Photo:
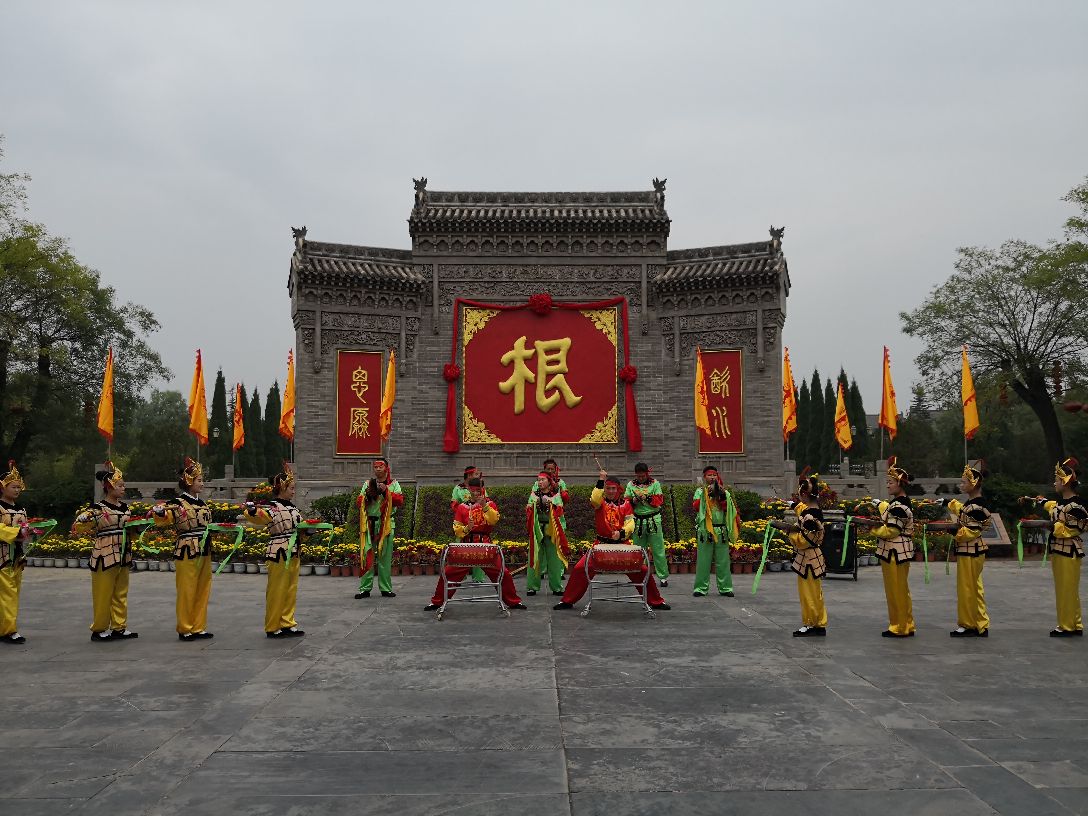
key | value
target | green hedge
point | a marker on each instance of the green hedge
(404, 519)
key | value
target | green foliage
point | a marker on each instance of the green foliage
(682, 497)
(219, 447)
(404, 520)
(159, 439)
(750, 505)
(333, 508)
(813, 452)
(276, 448)
(255, 438)
(1004, 493)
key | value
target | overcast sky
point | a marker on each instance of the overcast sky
(175, 144)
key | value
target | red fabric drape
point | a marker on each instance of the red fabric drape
(452, 373)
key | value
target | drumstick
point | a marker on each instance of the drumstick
(598, 461)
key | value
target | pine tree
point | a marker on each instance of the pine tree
(219, 429)
(799, 440)
(276, 449)
(247, 464)
(856, 408)
(813, 442)
(829, 448)
(255, 435)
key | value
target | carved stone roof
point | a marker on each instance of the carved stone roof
(756, 264)
(520, 213)
(349, 265)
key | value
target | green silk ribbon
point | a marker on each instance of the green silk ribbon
(238, 530)
(42, 529)
(768, 532)
(845, 540)
(303, 526)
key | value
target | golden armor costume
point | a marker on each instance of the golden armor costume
(13, 535)
(1069, 517)
(895, 551)
(110, 559)
(280, 518)
(189, 517)
(973, 518)
(808, 560)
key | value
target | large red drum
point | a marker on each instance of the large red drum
(616, 558)
(473, 555)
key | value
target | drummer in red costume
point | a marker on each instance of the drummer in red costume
(473, 521)
(614, 520)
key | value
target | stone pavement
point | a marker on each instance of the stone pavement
(711, 709)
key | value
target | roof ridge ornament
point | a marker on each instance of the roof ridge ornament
(659, 192)
(299, 234)
(421, 192)
(776, 235)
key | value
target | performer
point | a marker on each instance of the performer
(716, 527)
(190, 516)
(110, 558)
(614, 521)
(551, 467)
(972, 518)
(459, 496)
(547, 534)
(644, 493)
(379, 502)
(14, 535)
(1068, 521)
(807, 538)
(472, 523)
(281, 555)
(896, 549)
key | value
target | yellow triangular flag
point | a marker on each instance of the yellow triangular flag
(198, 404)
(389, 394)
(702, 417)
(970, 403)
(287, 415)
(842, 422)
(888, 411)
(105, 401)
(789, 399)
(239, 421)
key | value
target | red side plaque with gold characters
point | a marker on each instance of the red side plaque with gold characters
(358, 402)
(724, 374)
(539, 378)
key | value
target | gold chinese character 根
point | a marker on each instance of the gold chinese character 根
(360, 424)
(720, 426)
(719, 382)
(551, 360)
(359, 382)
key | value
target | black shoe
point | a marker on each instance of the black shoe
(660, 606)
(698, 594)
(663, 582)
(360, 595)
(125, 634)
(530, 592)
(1064, 633)
(889, 633)
(432, 607)
(727, 594)
(101, 637)
(563, 605)
(186, 636)
(983, 633)
(203, 635)
(279, 633)
(14, 639)
(962, 632)
(389, 594)
(294, 631)
(811, 631)
(558, 592)
(516, 606)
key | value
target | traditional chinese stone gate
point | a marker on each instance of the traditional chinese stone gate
(499, 249)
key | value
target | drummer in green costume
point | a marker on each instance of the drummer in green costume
(715, 534)
(644, 493)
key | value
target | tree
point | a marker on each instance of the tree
(1020, 309)
(12, 196)
(799, 441)
(855, 407)
(255, 436)
(276, 448)
(55, 326)
(247, 462)
(829, 449)
(814, 440)
(219, 446)
(161, 438)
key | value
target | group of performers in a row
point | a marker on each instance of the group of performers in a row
(628, 514)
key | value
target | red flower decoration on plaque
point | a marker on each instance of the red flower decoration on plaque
(541, 303)
(628, 374)
(451, 372)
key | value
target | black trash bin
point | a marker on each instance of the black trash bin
(833, 546)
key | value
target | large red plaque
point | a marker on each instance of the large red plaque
(531, 378)
(724, 374)
(358, 402)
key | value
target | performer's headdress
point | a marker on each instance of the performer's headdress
(109, 473)
(973, 474)
(1066, 471)
(190, 472)
(898, 473)
(810, 482)
(12, 476)
(282, 479)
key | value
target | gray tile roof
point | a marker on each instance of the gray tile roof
(347, 264)
(759, 263)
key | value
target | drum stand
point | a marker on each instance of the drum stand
(477, 591)
(617, 585)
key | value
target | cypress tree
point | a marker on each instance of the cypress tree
(218, 446)
(246, 464)
(829, 448)
(799, 441)
(255, 435)
(856, 409)
(813, 444)
(276, 448)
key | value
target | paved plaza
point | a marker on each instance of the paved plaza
(711, 709)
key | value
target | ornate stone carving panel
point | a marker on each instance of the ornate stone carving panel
(539, 244)
(349, 320)
(334, 338)
(517, 281)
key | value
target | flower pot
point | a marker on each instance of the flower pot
(84, 563)
(239, 567)
(748, 568)
(334, 570)
(215, 566)
(264, 568)
(60, 562)
(253, 569)
(152, 566)
(357, 570)
(321, 569)
(874, 561)
(45, 562)
(917, 555)
(306, 569)
(417, 569)
(172, 566)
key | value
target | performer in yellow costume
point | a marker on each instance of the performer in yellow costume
(190, 516)
(14, 534)
(894, 528)
(1069, 519)
(110, 558)
(281, 518)
(973, 518)
(807, 538)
